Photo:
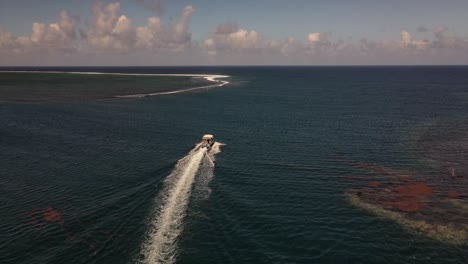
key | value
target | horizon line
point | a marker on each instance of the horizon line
(259, 65)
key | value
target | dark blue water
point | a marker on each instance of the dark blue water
(80, 181)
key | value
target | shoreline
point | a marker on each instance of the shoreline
(209, 77)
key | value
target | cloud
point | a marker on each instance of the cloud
(8, 42)
(55, 37)
(291, 46)
(110, 32)
(114, 32)
(409, 45)
(406, 37)
(61, 36)
(38, 31)
(157, 37)
(407, 42)
(228, 38)
(444, 41)
(319, 42)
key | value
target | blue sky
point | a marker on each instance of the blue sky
(259, 28)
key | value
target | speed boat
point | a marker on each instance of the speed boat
(207, 141)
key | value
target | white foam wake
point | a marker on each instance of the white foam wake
(202, 188)
(161, 242)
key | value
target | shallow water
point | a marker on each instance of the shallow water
(80, 181)
(50, 86)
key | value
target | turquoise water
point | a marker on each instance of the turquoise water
(84, 182)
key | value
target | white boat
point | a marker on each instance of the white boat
(207, 141)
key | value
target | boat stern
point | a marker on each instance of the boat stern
(207, 141)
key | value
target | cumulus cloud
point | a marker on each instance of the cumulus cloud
(291, 46)
(408, 42)
(409, 45)
(319, 42)
(155, 36)
(8, 42)
(228, 38)
(406, 37)
(38, 31)
(114, 32)
(444, 40)
(109, 32)
(55, 37)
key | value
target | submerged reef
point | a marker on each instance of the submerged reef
(435, 209)
(50, 86)
(447, 231)
(433, 202)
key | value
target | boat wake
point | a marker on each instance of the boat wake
(167, 223)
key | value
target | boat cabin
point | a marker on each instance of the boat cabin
(207, 140)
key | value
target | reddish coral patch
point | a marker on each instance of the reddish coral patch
(52, 216)
(453, 195)
(416, 189)
(375, 184)
(406, 204)
(409, 205)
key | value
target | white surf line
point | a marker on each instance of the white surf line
(160, 246)
(209, 77)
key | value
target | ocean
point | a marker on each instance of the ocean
(311, 165)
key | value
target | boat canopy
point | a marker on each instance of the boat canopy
(208, 137)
